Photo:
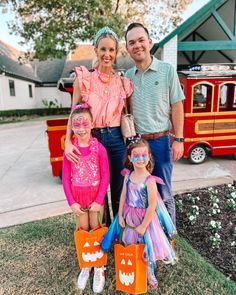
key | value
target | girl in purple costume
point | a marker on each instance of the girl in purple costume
(142, 212)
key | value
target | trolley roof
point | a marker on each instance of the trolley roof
(209, 71)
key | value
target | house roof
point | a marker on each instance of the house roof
(9, 64)
(50, 70)
(191, 23)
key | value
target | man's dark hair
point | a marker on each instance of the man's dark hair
(135, 25)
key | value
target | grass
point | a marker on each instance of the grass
(39, 258)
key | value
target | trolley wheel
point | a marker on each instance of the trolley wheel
(198, 154)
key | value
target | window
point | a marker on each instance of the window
(227, 101)
(202, 97)
(30, 91)
(12, 88)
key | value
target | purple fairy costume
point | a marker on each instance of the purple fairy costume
(157, 245)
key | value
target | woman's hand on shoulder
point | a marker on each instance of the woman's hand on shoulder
(77, 209)
(71, 152)
(95, 207)
(140, 229)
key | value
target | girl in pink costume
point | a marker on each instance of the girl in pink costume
(142, 212)
(85, 183)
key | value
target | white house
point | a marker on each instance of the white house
(25, 86)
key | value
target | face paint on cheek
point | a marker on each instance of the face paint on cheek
(81, 122)
(139, 154)
(139, 158)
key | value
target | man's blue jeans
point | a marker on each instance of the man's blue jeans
(161, 152)
(113, 141)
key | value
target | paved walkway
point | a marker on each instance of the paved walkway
(28, 191)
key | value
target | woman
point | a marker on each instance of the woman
(105, 92)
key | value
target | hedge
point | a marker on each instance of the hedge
(39, 112)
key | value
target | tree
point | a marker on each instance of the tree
(165, 15)
(54, 27)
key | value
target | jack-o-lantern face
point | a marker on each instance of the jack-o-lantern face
(92, 251)
(126, 278)
(131, 269)
(88, 248)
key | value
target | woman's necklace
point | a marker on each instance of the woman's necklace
(105, 79)
(107, 86)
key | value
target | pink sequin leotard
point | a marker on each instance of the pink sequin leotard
(88, 180)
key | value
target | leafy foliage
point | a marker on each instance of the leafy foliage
(165, 15)
(51, 28)
(54, 27)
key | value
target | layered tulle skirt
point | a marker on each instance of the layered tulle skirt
(156, 237)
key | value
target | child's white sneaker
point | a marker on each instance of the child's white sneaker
(83, 278)
(98, 279)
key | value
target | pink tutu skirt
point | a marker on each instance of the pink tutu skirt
(85, 195)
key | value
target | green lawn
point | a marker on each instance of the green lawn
(39, 258)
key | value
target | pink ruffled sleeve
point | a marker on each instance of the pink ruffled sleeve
(66, 180)
(84, 76)
(105, 174)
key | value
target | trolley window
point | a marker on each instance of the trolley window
(227, 101)
(202, 98)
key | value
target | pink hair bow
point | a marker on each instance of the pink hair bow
(83, 105)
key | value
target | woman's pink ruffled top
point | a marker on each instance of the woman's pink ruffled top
(106, 99)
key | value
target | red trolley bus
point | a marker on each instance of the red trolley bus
(210, 111)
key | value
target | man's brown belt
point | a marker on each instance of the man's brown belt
(154, 135)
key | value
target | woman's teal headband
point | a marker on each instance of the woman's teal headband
(104, 32)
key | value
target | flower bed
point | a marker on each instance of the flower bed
(207, 219)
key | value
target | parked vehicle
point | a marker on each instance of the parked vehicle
(210, 111)
(56, 130)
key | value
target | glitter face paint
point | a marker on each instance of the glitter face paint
(139, 155)
(80, 122)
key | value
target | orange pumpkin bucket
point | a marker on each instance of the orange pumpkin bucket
(87, 243)
(88, 248)
(131, 269)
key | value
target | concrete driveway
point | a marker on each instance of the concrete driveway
(28, 191)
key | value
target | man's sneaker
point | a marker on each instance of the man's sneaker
(98, 279)
(83, 278)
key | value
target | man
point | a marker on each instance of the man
(157, 93)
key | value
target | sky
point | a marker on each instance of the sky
(14, 40)
(5, 36)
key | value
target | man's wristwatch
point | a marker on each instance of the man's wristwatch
(179, 139)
